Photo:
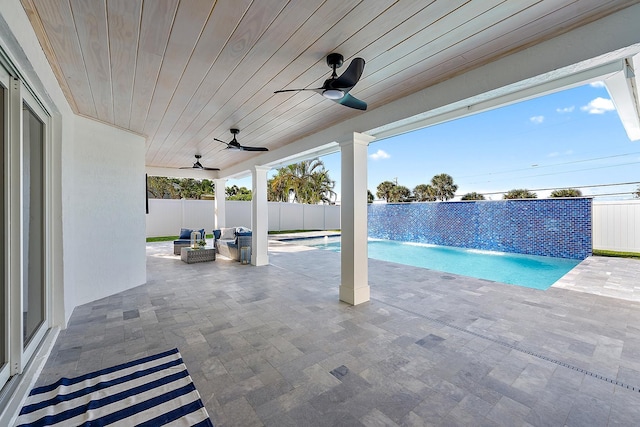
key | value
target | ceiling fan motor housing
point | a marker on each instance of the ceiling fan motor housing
(335, 60)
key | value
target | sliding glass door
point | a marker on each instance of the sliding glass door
(24, 292)
(33, 314)
(33, 283)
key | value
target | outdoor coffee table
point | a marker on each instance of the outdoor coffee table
(191, 256)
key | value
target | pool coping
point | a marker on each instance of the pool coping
(598, 275)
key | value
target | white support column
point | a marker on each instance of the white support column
(259, 216)
(354, 287)
(219, 204)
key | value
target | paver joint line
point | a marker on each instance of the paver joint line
(513, 347)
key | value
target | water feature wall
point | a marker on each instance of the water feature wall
(547, 227)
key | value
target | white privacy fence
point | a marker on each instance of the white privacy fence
(615, 225)
(167, 216)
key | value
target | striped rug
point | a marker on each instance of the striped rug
(152, 391)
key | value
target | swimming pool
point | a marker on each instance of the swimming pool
(532, 271)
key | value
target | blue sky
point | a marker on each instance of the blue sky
(567, 139)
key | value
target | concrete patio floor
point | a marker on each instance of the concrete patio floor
(273, 345)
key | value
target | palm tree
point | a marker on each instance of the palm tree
(520, 193)
(279, 186)
(424, 193)
(385, 190)
(566, 192)
(401, 194)
(444, 187)
(304, 182)
(473, 196)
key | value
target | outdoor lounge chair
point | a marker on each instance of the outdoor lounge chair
(230, 241)
(184, 240)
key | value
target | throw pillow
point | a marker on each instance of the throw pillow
(185, 233)
(227, 233)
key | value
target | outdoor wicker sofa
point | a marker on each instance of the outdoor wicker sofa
(230, 241)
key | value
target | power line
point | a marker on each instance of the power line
(572, 171)
(610, 194)
(552, 165)
(576, 186)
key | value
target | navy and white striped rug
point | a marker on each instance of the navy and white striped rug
(152, 391)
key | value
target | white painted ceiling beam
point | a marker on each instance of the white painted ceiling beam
(181, 173)
(622, 87)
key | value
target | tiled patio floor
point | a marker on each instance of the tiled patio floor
(273, 345)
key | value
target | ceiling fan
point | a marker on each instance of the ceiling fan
(235, 145)
(198, 165)
(337, 88)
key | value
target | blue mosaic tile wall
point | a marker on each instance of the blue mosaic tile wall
(548, 227)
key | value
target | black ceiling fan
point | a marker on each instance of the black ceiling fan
(198, 165)
(337, 88)
(235, 145)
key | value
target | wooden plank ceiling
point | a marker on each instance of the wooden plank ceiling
(182, 72)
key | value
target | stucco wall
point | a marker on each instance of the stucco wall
(104, 215)
(547, 227)
(95, 248)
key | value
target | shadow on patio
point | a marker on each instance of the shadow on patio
(273, 345)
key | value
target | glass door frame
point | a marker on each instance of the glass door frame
(35, 108)
(5, 370)
(18, 96)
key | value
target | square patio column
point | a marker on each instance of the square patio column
(354, 286)
(259, 216)
(219, 204)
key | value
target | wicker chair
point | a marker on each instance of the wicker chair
(229, 242)
(184, 240)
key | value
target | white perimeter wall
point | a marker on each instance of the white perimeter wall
(166, 217)
(616, 226)
(103, 212)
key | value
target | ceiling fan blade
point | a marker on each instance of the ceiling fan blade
(245, 148)
(297, 90)
(350, 77)
(353, 102)
(219, 140)
(198, 165)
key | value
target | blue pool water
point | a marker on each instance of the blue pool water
(532, 271)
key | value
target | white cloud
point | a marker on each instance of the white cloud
(565, 109)
(597, 84)
(599, 106)
(557, 153)
(380, 154)
(537, 119)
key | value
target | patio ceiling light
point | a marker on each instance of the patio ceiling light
(333, 93)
